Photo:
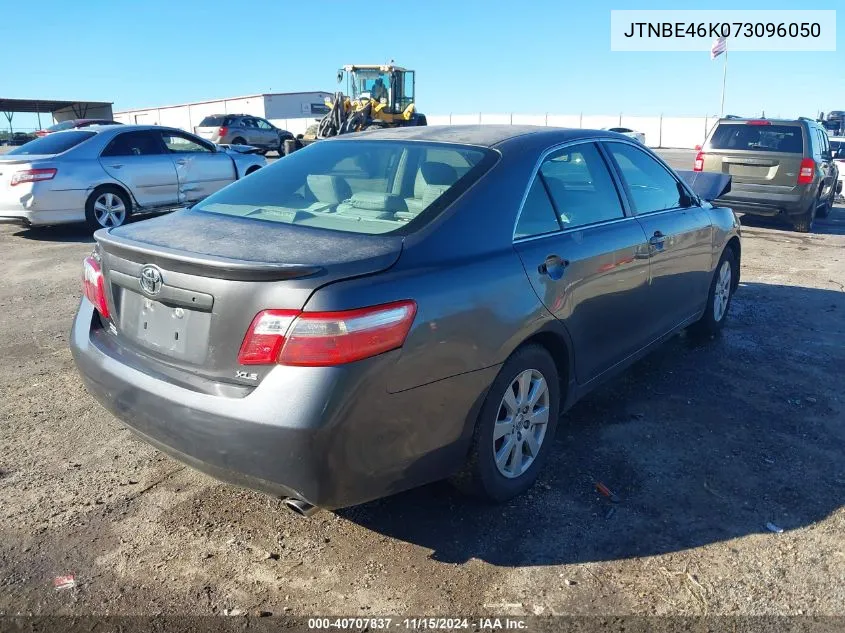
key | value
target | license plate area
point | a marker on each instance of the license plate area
(173, 331)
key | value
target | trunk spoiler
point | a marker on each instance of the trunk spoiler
(210, 265)
(706, 185)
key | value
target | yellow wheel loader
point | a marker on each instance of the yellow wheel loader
(377, 96)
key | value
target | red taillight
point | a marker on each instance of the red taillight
(758, 122)
(698, 165)
(32, 175)
(807, 171)
(94, 286)
(265, 337)
(223, 131)
(319, 339)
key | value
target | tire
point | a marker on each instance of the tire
(239, 141)
(804, 223)
(251, 170)
(481, 476)
(721, 290)
(107, 207)
(824, 210)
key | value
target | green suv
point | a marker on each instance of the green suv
(777, 167)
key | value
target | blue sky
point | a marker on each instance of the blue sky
(494, 56)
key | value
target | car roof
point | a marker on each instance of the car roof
(797, 121)
(99, 129)
(483, 135)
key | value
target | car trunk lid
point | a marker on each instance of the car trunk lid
(183, 289)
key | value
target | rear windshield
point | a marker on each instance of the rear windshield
(64, 125)
(371, 187)
(759, 138)
(53, 143)
(215, 120)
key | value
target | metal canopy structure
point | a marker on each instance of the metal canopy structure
(76, 109)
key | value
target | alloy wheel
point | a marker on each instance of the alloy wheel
(109, 210)
(521, 423)
(722, 292)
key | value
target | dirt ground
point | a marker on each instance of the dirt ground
(703, 445)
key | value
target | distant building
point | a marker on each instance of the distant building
(292, 111)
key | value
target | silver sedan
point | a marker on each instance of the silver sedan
(103, 174)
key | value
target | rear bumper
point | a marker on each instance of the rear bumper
(333, 436)
(36, 205)
(768, 201)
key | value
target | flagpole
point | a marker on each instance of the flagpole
(724, 80)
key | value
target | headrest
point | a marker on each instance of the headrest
(329, 189)
(438, 173)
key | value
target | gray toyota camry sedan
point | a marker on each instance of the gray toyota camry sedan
(386, 309)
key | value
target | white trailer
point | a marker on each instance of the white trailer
(292, 111)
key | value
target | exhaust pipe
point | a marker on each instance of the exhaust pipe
(300, 507)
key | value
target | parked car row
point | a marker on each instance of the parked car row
(17, 139)
(778, 168)
(385, 309)
(837, 147)
(103, 174)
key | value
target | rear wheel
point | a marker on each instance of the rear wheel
(107, 207)
(719, 298)
(515, 428)
(239, 141)
(824, 210)
(804, 223)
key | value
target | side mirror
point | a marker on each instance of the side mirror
(339, 76)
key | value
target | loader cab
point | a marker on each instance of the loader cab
(390, 85)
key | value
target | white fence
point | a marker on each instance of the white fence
(660, 131)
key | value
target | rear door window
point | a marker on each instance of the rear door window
(538, 216)
(580, 186)
(652, 187)
(758, 138)
(53, 143)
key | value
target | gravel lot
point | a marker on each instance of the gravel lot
(704, 445)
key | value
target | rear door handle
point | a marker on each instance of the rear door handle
(118, 166)
(657, 239)
(181, 161)
(554, 266)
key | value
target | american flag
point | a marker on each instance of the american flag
(720, 45)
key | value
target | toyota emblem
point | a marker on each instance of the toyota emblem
(150, 280)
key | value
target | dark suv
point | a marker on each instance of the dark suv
(242, 129)
(777, 167)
